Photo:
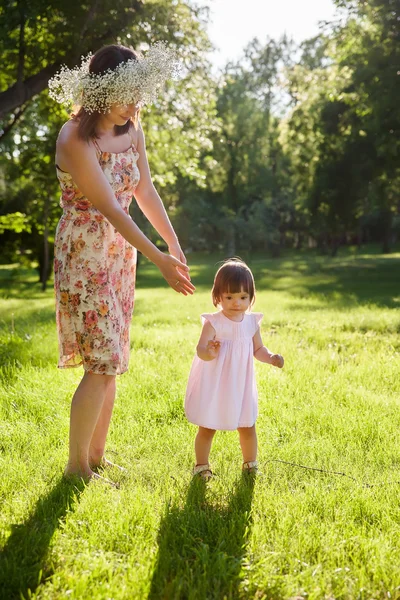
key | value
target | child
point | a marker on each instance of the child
(221, 391)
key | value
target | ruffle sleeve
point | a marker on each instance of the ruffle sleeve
(210, 317)
(257, 318)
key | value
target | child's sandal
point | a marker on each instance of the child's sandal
(203, 471)
(250, 467)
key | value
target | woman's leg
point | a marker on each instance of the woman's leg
(86, 408)
(248, 443)
(202, 445)
(98, 441)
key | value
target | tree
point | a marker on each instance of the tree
(174, 139)
(340, 133)
(36, 37)
(369, 45)
(249, 160)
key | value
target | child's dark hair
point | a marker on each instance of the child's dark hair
(232, 277)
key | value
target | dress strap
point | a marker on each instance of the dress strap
(96, 145)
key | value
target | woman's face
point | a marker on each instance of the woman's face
(121, 113)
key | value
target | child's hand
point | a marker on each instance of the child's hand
(213, 347)
(277, 361)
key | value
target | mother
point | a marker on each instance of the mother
(101, 162)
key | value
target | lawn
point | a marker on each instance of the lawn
(322, 521)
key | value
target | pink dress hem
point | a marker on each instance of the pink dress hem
(221, 394)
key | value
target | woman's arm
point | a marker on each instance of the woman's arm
(264, 355)
(151, 204)
(80, 160)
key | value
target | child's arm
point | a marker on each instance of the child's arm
(208, 347)
(262, 353)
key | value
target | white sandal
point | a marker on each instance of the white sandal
(203, 471)
(250, 467)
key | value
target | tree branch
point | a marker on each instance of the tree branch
(23, 90)
(90, 16)
(21, 50)
(17, 115)
(19, 93)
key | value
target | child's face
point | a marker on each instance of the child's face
(237, 302)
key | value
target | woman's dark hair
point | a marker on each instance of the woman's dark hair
(231, 278)
(108, 57)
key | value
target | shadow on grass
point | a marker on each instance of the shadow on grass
(20, 282)
(340, 281)
(23, 559)
(201, 546)
(347, 278)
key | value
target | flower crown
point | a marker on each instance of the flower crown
(135, 81)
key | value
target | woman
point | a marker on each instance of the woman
(101, 162)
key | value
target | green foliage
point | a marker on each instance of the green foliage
(177, 127)
(14, 222)
(290, 146)
(247, 169)
(340, 133)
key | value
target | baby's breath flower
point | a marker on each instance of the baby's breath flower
(135, 81)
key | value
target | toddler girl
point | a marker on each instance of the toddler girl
(221, 391)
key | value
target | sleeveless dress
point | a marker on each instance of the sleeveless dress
(94, 272)
(222, 393)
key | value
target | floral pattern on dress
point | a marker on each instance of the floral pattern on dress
(94, 273)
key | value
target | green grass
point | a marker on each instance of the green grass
(296, 532)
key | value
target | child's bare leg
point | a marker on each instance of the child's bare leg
(98, 441)
(248, 443)
(86, 407)
(202, 445)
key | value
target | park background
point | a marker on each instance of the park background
(293, 145)
(288, 156)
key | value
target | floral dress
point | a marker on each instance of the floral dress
(94, 272)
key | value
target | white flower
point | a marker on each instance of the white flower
(135, 81)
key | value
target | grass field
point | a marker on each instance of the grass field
(293, 533)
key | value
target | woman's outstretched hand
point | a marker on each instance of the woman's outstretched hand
(176, 274)
(175, 250)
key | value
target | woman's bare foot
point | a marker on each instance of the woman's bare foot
(106, 464)
(87, 477)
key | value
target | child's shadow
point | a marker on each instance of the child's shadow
(23, 559)
(202, 545)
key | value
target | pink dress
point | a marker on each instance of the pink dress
(222, 393)
(94, 273)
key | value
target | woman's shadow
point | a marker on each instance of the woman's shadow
(202, 545)
(23, 564)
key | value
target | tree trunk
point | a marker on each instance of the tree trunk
(275, 250)
(21, 92)
(387, 234)
(231, 245)
(335, 245)
(44, 275)
(386, 246)
(298, 240)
